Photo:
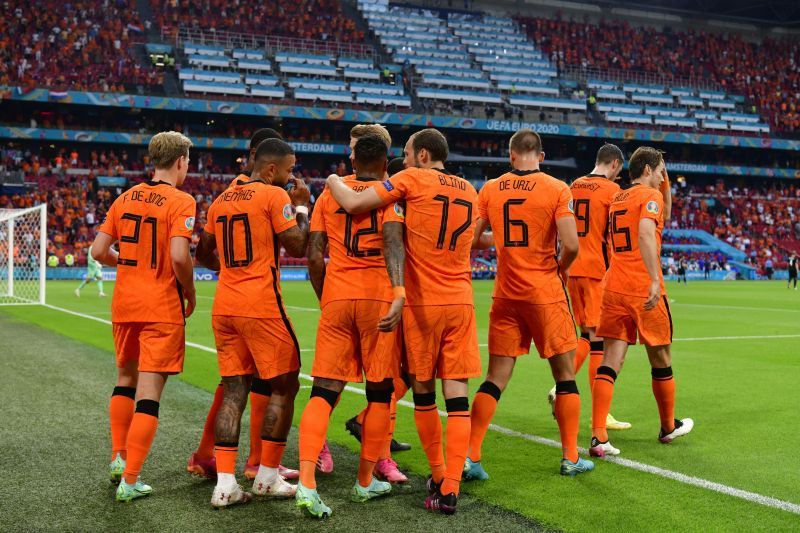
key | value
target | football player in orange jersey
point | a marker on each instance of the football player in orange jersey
(153, 295)
(529, 212)
(245, 225)
(439, 319)
(635, 299)
(202, 462)
(352, 338)
(592, 195)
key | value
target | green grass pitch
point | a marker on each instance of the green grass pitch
(736, 368)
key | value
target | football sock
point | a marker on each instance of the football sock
(602, 393)
(313, 428)
(568, 411)
(373, 433)
(360, 416)
(83, 284)
(206, 448)
(400, 389)
(272, 452)
(100, 285)
(664, 391)
(457, 433)
(483, 408)
(120, 414)
(225, 453)
(140, 438)
(595, 360)
(429, 428)
(582, 351)
(260, 392)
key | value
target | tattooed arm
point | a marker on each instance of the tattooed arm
(317, 242)
(395, 253)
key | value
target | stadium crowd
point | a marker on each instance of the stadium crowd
(761, 221)
(767, 73)
(303, 19)
(81, 45)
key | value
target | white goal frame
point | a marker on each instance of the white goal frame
(11, 274)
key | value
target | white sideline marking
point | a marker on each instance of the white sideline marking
(752, 497)
(737, 308)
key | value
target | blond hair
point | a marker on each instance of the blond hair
(166, 147)
(361, 130)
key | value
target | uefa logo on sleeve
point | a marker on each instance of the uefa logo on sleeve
(189, 222)
(288, 212)
(652, 207)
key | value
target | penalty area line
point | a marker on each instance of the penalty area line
(751, 497)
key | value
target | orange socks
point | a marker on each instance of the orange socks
(568, 412)
(483, 408)
(120, 414)
(373, 433)
(582, 351)
(595, 360)
(664, 391)
(225, 453)
(313, 428)
(458, 433)
(140, 438)
(429, 428)
(260, 392)
(272, 452)
(602, 393)
(206, 448)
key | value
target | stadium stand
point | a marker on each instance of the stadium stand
(65, 45)
(764, 74)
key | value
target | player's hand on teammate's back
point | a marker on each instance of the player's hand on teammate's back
(655, 293)
(392, 318)
(191, 302)
(333, 177)
(299, 194)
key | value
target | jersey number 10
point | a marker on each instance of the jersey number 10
(228, 252)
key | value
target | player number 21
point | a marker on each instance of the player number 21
(445, 215)
(134, 239)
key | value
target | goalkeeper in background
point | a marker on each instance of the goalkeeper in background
(94, 272)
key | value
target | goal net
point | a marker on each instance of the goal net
(23, 247)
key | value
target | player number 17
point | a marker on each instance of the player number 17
(445, 215)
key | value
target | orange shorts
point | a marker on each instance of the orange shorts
(158, 346)
(263, 346)
(586, 295)
(514, 323)
(441, 342)
(622, 316)
(349, 344)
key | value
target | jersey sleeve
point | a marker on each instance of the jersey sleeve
(181, 223)
(483, 202)
(564, 205)
(652, 207)
(397, 187)
(109, 225)
(393, 212)
(318, 215)
(280, 210)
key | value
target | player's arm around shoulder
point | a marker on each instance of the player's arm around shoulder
(292, 232)
(370, 198)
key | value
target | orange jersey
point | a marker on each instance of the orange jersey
(440, 222)
(143, 220)
(245, 221)
(592, 196)
(522, 208)
(627, 273)
(356, 270)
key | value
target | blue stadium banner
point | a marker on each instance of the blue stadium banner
(401, 119)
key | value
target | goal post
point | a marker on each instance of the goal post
(23, 255)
